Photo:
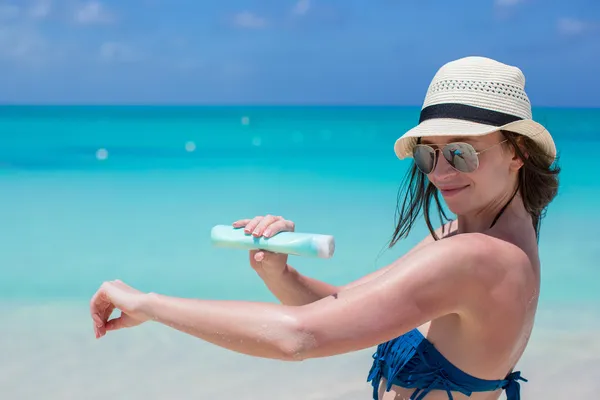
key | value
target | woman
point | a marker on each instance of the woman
(450, 318)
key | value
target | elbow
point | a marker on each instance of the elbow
(298, 344)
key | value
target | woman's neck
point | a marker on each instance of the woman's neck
(507, 208)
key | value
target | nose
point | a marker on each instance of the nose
(442, 170)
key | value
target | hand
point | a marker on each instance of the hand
(267, 226)
(116, 295)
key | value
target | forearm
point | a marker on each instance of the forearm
(256, 329)
(293, 288)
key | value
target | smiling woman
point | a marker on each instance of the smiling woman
(537, 176)
(449, 319)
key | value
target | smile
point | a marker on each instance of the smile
(452, 191)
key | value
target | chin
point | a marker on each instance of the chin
(455, 209)
(458, 205)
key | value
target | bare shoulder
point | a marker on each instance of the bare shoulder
(500, 274)
(464, 273)
(485, 268)
(491, 260)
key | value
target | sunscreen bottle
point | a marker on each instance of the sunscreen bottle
(295, 243)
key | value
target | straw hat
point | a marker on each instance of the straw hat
(475, 96)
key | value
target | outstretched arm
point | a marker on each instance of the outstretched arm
(436, 280)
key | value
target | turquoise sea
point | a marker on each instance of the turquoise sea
(94, 193)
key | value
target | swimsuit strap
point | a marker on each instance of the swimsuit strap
(506, 205)
(512, 387)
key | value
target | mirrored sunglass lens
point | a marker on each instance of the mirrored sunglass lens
(424, 157)
(461, 156)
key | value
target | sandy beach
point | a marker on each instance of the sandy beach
(49, 352)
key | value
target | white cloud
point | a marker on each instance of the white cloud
(573, 26)
(247, 19)
(301, 7)
(92, 12)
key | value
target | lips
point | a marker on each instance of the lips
(450, 191)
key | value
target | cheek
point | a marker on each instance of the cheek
(491, 179)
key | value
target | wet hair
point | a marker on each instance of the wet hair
(537, 184)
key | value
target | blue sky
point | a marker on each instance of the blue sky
(288, 52)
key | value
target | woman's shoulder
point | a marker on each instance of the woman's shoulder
(481, 258)
(501, 272)
(486, 263)
(507, 284)
(484, 250)
(484, 246)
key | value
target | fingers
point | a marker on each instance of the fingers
(257, 224)
(98, 324)
(267, 225)
(265, 222)
(97, 310)
(278, 226)
(102, 307)
(110, 296)
(240, 223)
(99, 316)
(251, 226)
(94, 304)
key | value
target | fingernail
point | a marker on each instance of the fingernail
(267, 233)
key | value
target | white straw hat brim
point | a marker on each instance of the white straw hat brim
(461, 128)
(475, 96)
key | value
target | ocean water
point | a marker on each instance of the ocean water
(89, 194)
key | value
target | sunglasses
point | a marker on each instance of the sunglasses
(461, 156)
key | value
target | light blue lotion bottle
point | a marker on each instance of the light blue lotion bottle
(294, 243)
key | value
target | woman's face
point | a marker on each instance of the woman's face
(492, 182)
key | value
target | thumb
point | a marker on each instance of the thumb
(259, 256)
(263, 256)
(124, 321)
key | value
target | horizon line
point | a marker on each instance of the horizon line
(253, 104)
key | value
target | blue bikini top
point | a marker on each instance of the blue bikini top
(411, 361)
